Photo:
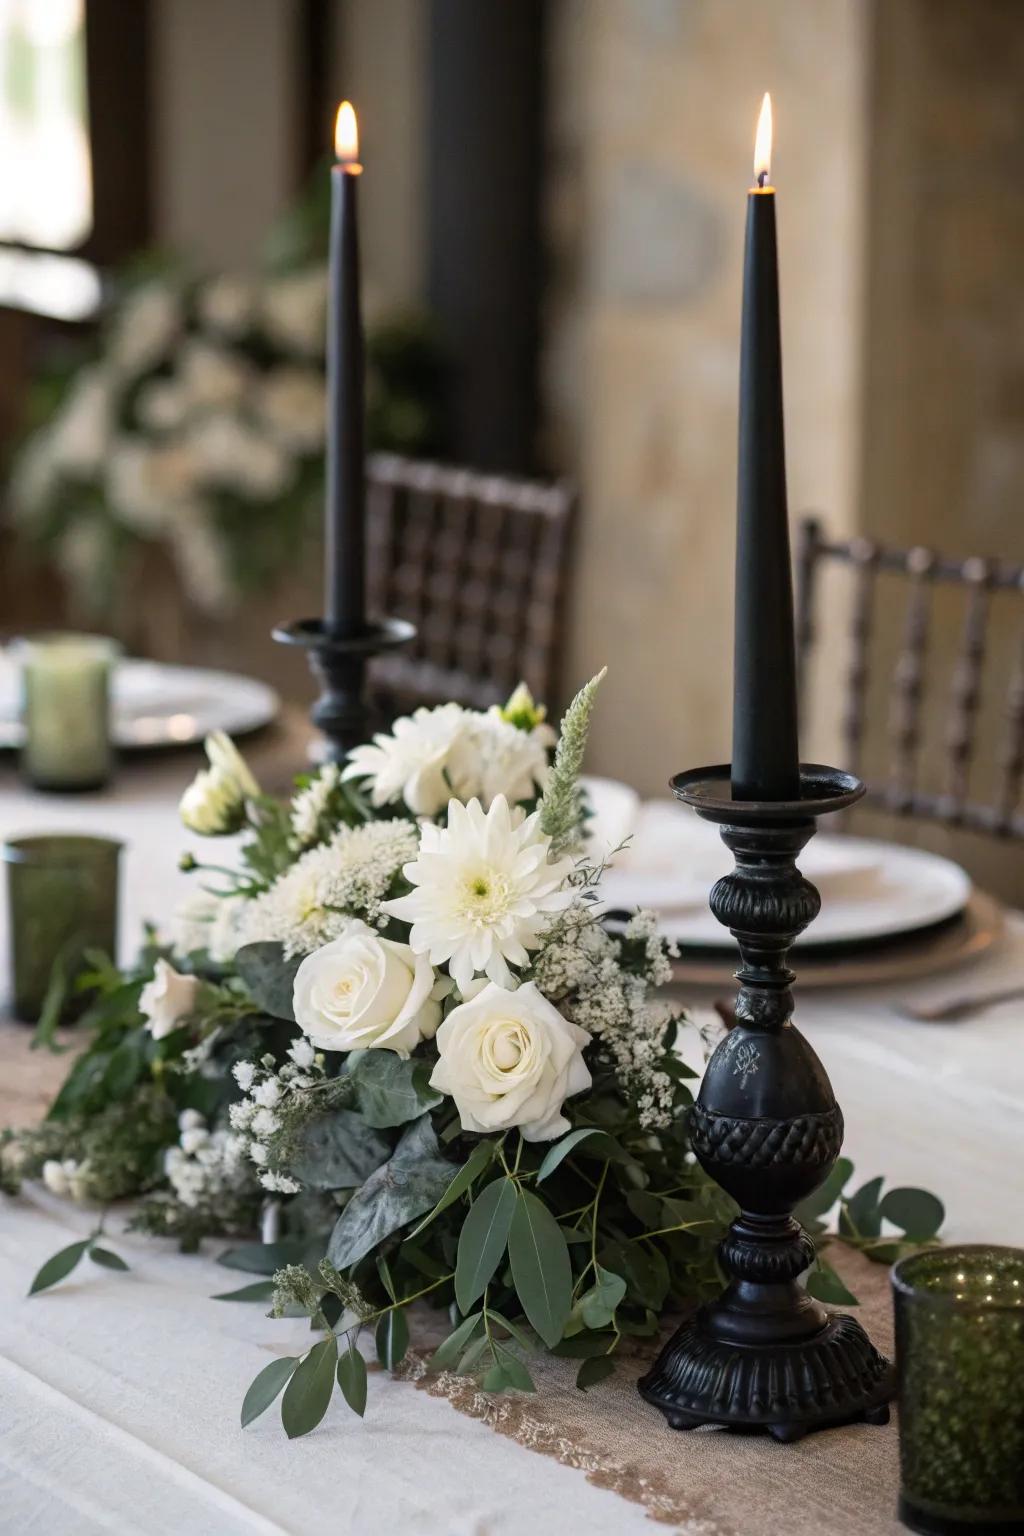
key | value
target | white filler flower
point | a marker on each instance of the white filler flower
(423, 762)
(168, 1000)
(363, 992)
(485, 891)
(511, 1059)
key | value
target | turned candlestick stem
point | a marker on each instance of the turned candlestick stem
(766, 1127)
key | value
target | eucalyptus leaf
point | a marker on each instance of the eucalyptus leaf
(540, 1266)
(597, 1368)
(352, 1379)
(599, 1145)
(265, 1258)
(389, 1090)
(58, 1267)
(478, 1161)
(860, 1216)
(260, 1290)
(597, 1306)
(106, 1259)
(643, 1268)
(392, 1338)
(309, 1390)
(447, 1354)
(405, 1187)
(825, 1285)
(916, 1212)
(584, 1346)
(271, 1380)
(336, 1150)
(482, 1240)
(825, 1197)
(269, 978)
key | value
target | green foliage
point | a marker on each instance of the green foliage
(560, 805)
(269, 978)
(64, 1262)
(390, 1091)
(352, 1379)
(405, 1187)
(482, 1240)
(336, 1150)
(308, 1393)
(269, 1384)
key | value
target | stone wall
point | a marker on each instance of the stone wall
(654, 107)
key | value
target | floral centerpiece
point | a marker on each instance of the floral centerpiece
(402, 1028)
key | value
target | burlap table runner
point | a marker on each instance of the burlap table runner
(704, 1482)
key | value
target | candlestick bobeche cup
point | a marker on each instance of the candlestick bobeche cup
(344, 713)
(766, 1127)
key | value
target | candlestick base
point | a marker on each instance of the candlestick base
(343, 713)
(766, 1127)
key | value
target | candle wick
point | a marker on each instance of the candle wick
(762, 178)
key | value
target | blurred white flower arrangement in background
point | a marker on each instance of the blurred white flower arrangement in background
(199, 426)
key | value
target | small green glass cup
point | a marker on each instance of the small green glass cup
(62, 900)
(960, 1356)
(65, 685)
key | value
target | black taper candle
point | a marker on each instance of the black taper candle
(345, 541)
(765, 755)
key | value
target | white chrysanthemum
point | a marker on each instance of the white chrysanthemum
(212, 378)
(311, 903)
(423, 762)
(507, 761)
(310, 803)
(485, 888)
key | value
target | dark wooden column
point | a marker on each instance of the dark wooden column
(483, 155)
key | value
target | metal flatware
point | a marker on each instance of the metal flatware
(961, 1007)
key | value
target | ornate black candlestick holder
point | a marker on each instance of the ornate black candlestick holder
(343, 713)
(766, 1126)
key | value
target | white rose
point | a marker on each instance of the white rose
(363, 992)
(167, 1000)
(511, 1059)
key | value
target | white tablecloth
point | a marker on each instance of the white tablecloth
(119, 1394)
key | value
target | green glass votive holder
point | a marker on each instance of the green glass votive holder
(62, 900)
(960, 1355)
(66, 710)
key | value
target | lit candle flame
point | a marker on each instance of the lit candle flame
(346, 136)
(763, 144)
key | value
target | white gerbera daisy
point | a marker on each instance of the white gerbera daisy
(485, 889)
(423, 762)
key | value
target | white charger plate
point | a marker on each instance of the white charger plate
(155, 705)
(869, 889)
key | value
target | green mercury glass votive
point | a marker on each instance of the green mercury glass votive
(62, 900)
(960, 1355)
(66, 710)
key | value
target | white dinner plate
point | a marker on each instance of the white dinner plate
(161, 706)
(869, 889)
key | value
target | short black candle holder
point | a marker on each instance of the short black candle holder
(766, 1127)
(343, 713)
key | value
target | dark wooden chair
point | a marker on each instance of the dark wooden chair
(972, 680)
(477, 562)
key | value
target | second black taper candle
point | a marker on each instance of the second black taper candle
(765, 755)
(345, 542)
